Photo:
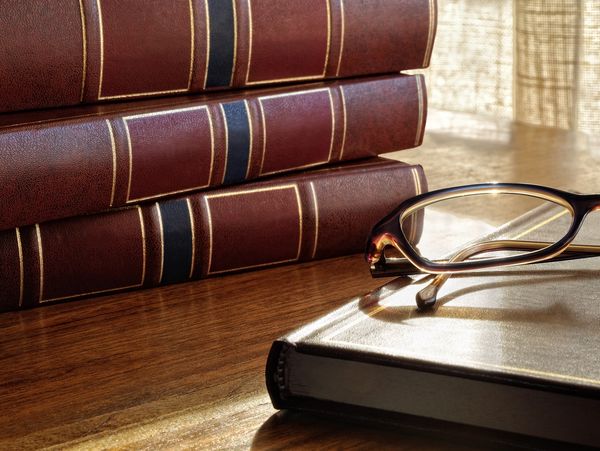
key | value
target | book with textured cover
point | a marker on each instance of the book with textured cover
(511, 355)
(311, 215)
(61, 163)
(69, 52)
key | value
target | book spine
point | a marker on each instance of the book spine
(292, 219)
(275, 373)
(71, 167)
(69, 52)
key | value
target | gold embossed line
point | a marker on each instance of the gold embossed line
(101, 32)
(210, 233)
(38, 235)
(113, 148)
(226, 128)
(206, 12)
(332, 109)
(161, 233)
(316, 207)
(192, 45)
(83, 50)
(345, 126)
(430, 33)
(251, 131)
(21, 267)
(420, 101)
(342, 38)
(413, 218)
(235, 41)
(192, 228)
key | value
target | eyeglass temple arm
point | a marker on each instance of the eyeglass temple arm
(427, 297)
(400, 266)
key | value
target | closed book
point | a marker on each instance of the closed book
(312, 215)
(65, 52)
(68, 162)
(510, 356)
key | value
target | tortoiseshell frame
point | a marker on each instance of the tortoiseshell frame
(388, 232)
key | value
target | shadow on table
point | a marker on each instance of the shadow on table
(293, 430)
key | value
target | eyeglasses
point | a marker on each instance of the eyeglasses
(426, 228)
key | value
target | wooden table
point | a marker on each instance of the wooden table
(182, 366)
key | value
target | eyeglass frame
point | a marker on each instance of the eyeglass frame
(388, 232)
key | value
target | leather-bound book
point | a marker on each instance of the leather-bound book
(68, 162)
(509, 357)
(311, 215)
(66, 52)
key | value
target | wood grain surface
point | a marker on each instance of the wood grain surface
(182, 366)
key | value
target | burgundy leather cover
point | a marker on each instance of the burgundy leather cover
(66, 52)
(311, 215)
(67, 162)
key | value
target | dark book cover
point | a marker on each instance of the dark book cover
(512, 350)
(87, 51)
(73, 161)
(286, 219)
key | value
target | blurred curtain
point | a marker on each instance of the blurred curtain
(533, 61)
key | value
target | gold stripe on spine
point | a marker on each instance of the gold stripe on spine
(421, 108)
(432, 19)
(143, 232)
(159, 113)
(101, 30)
(162, 242)
(264, 137)
(235, 41)
(110, 290)
(332, 124)
(114, 162)
(249, 191)
(84, 49)
(328, 3)
(226, 142)
(413, 218)
(279, 80)
(345, 121)
(316, 204)
(21, 269)
(192, 45)
(41, 260)
(142, 94)
(129, 150)
(212, 146)
(342, 38)
(192, 225)
(264, 127)
(210, 234)
(207, 43)
(299, 222)
(250, 130)
(249, 40)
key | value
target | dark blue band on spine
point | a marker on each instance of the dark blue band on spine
(177, 241)
(238, 139)
(222, 41)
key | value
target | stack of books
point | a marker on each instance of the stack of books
(147, 143)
